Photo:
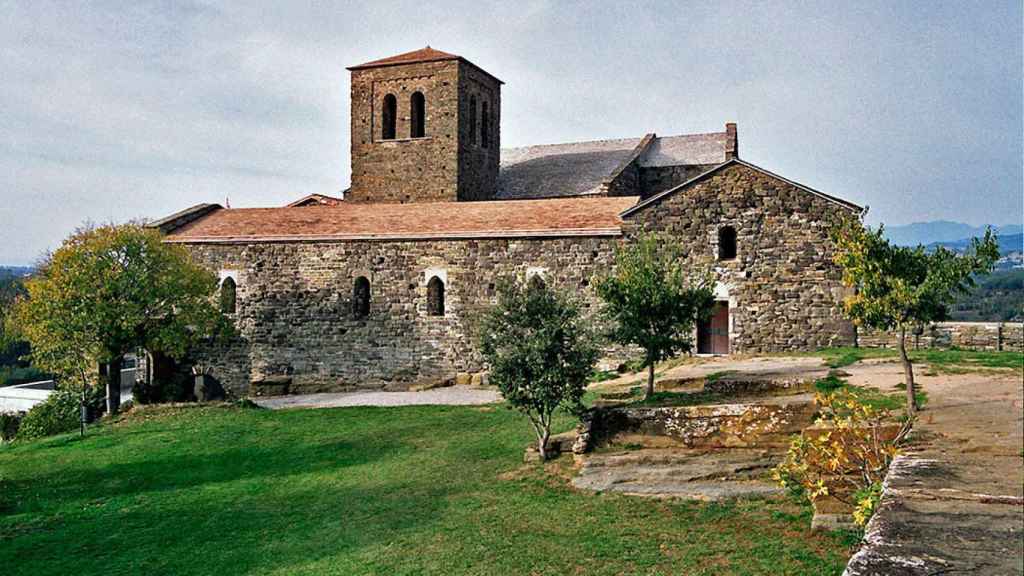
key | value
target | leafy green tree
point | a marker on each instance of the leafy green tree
(109, 290)
(539, 352)
(654, 301)
(899, 288)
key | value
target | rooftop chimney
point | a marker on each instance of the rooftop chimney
(732, 147)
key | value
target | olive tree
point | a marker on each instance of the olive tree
(109, 290)
(899, 288)
(539, 352)
(654, 300)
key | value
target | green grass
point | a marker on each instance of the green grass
(396, 491)
(873, 397)
(952, 360)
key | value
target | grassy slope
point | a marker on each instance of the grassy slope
(416, 490)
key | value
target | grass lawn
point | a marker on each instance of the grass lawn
(414, 490)
(940, 360)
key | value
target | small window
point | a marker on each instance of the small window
(389, 114)
(472, 120)
(228, 296)
(435, 297)
(418, 110)
(361, 297)
(727, 243)
(485, 126)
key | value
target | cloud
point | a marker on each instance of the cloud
(113, 111)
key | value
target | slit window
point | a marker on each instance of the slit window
(228, 296)
(361, 297)
(472, 120)
(418, 116)
(389, 115)
(485, 125)
(727, 243)
(435, 297)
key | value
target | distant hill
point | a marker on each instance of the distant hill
(15, 271)
(942, 231)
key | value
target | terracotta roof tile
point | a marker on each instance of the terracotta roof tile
(491, 219)
(427, 54)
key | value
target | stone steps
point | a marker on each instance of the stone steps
(694, 474)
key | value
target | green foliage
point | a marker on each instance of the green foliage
(998, 297)
(214, 489)
(653, 300)
(57, 414)
(112, 289)
(867, 499)
(11, 375)
(846, 454)
(539, 352)
(9, 422)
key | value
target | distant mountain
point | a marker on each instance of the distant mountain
(941, 231)
(1007, 243)
(15, 270)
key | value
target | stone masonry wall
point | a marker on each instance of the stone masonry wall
(478, 163)
(294, 305)
(784, 292)
(964, 335)
(405, 169)
(655, 179)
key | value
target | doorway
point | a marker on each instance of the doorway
(713, 333)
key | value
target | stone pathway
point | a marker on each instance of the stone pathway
(452, 396)
(954, 502)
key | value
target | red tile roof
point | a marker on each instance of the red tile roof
(427, 54)
(439, 220)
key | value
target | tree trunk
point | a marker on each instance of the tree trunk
(114, 385)
(908, 372)
(542, 444)
(650, 380)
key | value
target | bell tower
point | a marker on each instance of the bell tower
(425, 128)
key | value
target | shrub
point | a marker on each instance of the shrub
(845, 459)
(58, 413)
(9, 422)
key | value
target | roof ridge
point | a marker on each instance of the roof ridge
(641, 137)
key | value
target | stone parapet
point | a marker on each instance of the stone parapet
(992, 336)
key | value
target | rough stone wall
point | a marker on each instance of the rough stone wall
(655, 179)
(784, 292)
(405, 169)
(294, 306)
(965, 335)
(478, 164)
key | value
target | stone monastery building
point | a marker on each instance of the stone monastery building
(381, 287)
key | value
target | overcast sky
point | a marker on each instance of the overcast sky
(120, 110)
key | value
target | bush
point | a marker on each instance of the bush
(58, 413)
(9, 422)
(847, 459)
(174, 387)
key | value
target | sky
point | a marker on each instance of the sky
(113, 111)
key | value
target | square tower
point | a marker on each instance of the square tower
(425, 128)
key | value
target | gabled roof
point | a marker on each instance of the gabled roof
(581, 168)
(427, 54)
(315, 200)
(734, 162)
(418, 221)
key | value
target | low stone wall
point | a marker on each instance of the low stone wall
(967, 335)
(706, 426)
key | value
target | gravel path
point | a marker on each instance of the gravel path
(452, 396)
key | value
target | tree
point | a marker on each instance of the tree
(109, 290)
(540, 354)
(653, 301)
(899, 288)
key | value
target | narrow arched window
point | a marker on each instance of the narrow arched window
(472, 120)
(361, 297)
(485, 125)
(389, 113)
(418, 115)
(228, 295)
(726, 243)
(435, 297)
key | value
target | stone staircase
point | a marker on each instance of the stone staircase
(681, 473)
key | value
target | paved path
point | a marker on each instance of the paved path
(954, 502)
(452, 395)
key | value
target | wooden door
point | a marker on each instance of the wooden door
(713, 334)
